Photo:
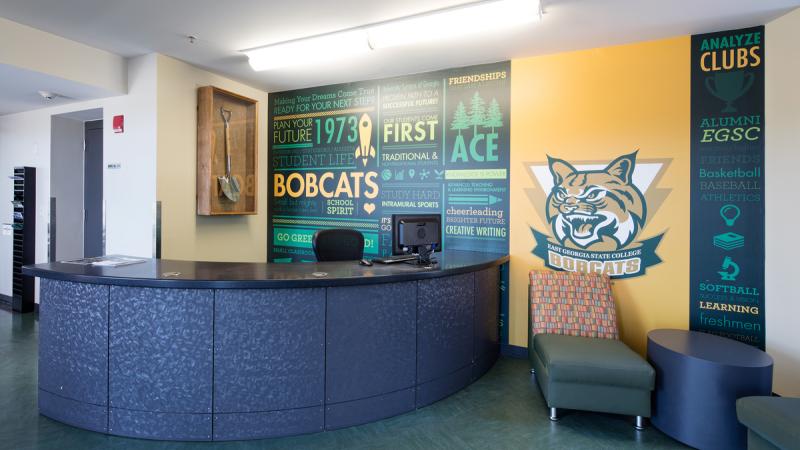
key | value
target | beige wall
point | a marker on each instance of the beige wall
(184, 235)
(782, 118)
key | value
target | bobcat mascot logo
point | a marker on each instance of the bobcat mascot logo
(599, 210)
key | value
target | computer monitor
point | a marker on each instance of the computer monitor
(410, 232)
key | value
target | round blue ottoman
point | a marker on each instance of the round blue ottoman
(699, 376)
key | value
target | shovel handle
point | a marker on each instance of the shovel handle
(226, 117)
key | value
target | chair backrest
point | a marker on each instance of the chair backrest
(572, 303)
(338, 245)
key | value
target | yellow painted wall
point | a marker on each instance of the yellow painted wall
(184, 234)
(596, 105)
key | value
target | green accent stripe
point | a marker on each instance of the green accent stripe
(321, 224)
(390, 146)
(322, 217)
(455, 236)
(305, 169)
(312, 228)
(298, 145)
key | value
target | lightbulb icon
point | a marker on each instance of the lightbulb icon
(729, 214)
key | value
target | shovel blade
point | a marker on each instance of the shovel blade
(230, 188)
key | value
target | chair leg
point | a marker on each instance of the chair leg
(553, 414)
(639, 425)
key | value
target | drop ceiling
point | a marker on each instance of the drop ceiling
(131, 28)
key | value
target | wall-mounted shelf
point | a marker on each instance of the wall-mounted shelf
(24, 246)
(243, 150)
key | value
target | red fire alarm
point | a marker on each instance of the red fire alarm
(119, 124)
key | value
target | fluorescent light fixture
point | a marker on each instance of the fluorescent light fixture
(313, 50)
(455, 22)
(472, 18)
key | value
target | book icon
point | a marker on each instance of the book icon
(729, 241)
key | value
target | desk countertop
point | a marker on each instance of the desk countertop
(165, 273)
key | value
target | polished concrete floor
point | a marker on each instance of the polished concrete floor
(502, 410)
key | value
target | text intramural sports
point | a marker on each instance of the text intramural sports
(348, 185)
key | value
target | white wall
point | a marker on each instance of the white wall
(129, 191)
(782, 117)
(66, 185)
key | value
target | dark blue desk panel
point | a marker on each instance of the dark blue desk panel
(73, 353)
(371, 352)
(445, 336)
(487, 321)
(160, 367)
(699, 376)
(250, 357)
(269, 360)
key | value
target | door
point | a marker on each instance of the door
(93, 190)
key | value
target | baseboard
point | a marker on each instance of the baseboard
(514, 351)
(6, 303)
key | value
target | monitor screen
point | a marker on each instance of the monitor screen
(415, 230)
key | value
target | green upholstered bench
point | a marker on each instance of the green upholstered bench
(772, 422)
(574, 349)
(592, 374)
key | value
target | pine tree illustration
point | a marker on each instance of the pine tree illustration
(460, 119)
(494, 117)
(477, 112)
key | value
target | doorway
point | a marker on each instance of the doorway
(76, 185)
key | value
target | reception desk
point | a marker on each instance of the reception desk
(204, 351)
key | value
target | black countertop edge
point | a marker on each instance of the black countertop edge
(137, 275)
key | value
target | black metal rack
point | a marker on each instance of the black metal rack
(24, 247)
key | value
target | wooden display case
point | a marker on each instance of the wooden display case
(211, 160)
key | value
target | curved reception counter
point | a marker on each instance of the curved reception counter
(180, 350)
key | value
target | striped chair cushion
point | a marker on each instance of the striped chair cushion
(572, 303)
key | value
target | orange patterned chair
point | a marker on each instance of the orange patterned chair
(575, 351)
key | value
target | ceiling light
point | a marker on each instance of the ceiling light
(453, 22)
(472, 18)
(313, 50)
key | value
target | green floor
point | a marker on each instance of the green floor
(502, 410)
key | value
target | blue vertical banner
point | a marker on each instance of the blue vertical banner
(727, 185)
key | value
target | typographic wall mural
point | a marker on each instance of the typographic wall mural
(600, 163)
(727, 178)
(351, 155)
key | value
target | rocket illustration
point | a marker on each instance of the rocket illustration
(365, 150)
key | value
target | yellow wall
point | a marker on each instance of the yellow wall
(185, 235)
(596, 105)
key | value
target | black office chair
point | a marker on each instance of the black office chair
(338, 245)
